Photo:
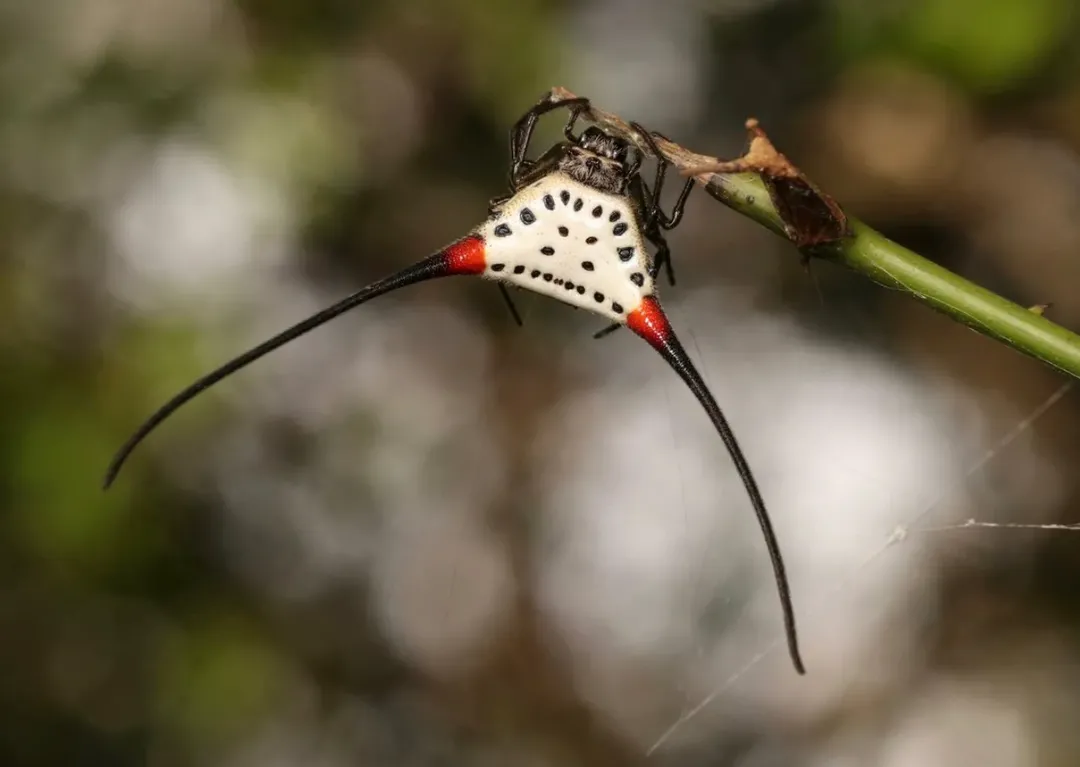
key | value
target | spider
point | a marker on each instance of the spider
(573, 227)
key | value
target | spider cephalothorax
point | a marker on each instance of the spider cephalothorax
(598, 160)
(575, 227)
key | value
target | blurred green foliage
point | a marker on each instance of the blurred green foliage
(124, 634)
(988, 46)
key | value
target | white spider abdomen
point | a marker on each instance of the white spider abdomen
(566, 240)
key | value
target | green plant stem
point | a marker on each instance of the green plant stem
(875, 256)
(891, 265)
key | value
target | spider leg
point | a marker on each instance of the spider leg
(607, 331)
(652, 206)
(655, 218)
(662, 259)
(510, 305)
(653, 210)
(670, 222)
(654, 233)
(524, 171)
(633, 168)
(640, 195)
(575, 112)
(521, 133)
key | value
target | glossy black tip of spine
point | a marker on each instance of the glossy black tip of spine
(440, 264)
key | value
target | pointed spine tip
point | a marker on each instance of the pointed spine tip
(110, 475)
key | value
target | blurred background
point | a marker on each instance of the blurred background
(425, 536)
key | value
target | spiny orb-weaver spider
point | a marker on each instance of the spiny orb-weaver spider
(573, 227)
